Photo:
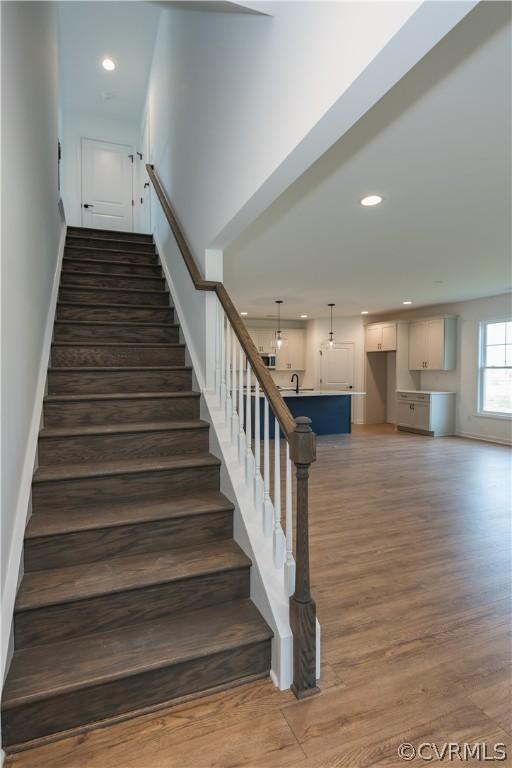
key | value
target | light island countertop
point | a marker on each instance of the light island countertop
(424, 392)
(316, 393)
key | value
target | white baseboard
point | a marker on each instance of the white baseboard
(484, 438)
(23, 503)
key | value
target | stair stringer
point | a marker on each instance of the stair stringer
(268, 590)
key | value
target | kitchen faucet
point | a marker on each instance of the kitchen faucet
(296, 376)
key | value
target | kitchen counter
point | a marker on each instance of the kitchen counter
(424, 392)
(318, 393)
(329, 410)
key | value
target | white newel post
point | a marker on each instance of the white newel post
(267, 503)
(278, 531)
(249, 460)
(258, 480)
(241, 432)
(289, 568)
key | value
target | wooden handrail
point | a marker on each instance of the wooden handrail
(278, 405)
(302, 442)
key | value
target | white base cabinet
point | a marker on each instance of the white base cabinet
(429, 413)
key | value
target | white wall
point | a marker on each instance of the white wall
(231, 96)
(346, 329)
(464, 379)
(78, 125)
(31, 232)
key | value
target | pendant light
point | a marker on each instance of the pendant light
(331, 334)
(279, 336)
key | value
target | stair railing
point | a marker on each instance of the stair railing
(237, 364)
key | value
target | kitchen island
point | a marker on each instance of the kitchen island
(330, 411)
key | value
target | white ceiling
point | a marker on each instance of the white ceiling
(437, 148)
(91, 31)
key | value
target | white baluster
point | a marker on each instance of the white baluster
(258, 480)
(249, 458)
(241, 431)
(289, 566)
(222, 330)
(217, 350)
(218, 335)
(234, 414)
(279, 542)
(229, 407)
(267, 503)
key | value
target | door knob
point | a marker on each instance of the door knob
(88, 205)
(146, 184)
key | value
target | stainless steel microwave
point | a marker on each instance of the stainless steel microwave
(269, 361)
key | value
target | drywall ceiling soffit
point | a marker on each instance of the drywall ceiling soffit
(211, 6)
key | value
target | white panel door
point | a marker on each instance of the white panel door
(107, 185)
(337, 366)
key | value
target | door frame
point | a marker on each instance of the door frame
(82, 175)
(141, 175)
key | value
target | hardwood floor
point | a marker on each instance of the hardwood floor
(410, 556)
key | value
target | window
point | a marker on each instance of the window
(496, 368)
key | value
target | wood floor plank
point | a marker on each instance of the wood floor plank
(410, 568)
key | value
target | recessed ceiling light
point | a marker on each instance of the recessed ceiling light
(371, 200)
(364, 312)
(108, 64)
(303, 317)
(244, 314)
(407, 302)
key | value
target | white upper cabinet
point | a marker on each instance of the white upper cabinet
(432, 344)
(381, 337)
(264, 339)
(292, 355)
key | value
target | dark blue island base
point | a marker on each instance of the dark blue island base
(329, 414)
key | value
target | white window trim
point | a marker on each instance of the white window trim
(482, 335)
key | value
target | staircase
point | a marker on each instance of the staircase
(134, 591)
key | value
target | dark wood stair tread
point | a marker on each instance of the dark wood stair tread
(119, 396)
(113, 515)
(117, 344)
(91, 260)
(94, 288)
(113, 304)
(114, 429)
(72, 236)
(97, 368)
(117, 323)
(55, 472)
(46, 671)
(87, 580)
(95, 232)
(115, 275)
